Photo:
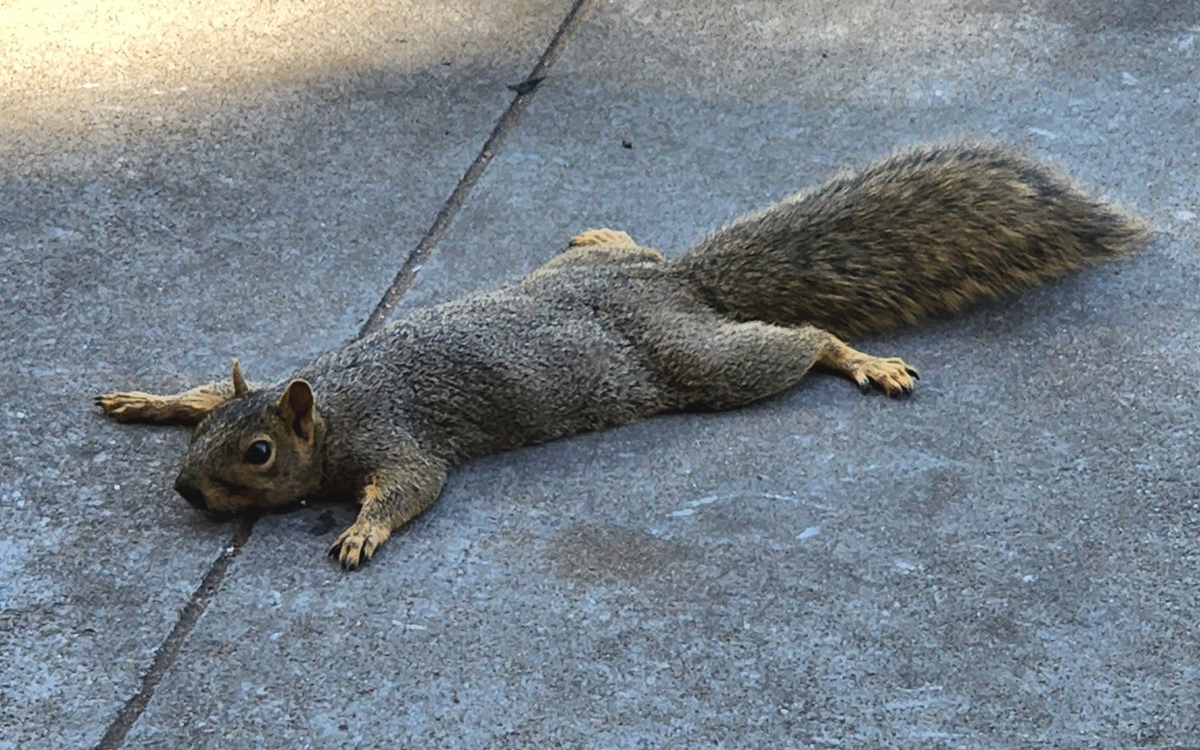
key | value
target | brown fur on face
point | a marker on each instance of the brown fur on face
(217, 472)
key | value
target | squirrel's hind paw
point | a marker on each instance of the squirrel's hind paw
(891, 374)
(594, 237)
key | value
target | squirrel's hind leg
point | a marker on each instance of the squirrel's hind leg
(611, 246)
(607, 237)
(716, 363)
(600, 247)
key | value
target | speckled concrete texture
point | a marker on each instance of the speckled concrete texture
(1006, 560)
(180, 184)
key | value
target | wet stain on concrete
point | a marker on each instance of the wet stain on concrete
(594, 554)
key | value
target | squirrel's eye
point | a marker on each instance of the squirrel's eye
(258, 453)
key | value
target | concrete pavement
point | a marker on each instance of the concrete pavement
(1008, 559)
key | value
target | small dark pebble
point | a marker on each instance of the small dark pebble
(626, 144)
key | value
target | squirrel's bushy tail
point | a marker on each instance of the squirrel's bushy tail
(924, 232)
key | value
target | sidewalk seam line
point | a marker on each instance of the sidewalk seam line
(441, 223)
(168, 650)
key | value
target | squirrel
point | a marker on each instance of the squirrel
(610, 332)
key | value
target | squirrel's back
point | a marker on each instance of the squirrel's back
(924, 232)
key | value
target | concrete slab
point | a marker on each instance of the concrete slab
(1008, 559)
(182, 184)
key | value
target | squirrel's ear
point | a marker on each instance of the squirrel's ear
(296, 406)
(240, 388)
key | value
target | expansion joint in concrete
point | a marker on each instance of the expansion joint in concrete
(169, 649)
(504, 125)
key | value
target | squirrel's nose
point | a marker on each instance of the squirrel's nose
(190, 492)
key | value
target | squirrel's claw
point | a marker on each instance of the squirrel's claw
(891, 375)
(357, 544)
(125, 407)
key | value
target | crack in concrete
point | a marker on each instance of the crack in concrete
(168, 650)
(507, 122)
(165, 655)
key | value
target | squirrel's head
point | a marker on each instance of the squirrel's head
(260, 449)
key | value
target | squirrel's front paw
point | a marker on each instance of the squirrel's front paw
(127, 407)
(601, 237)
(357, 543)
(890, 373)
